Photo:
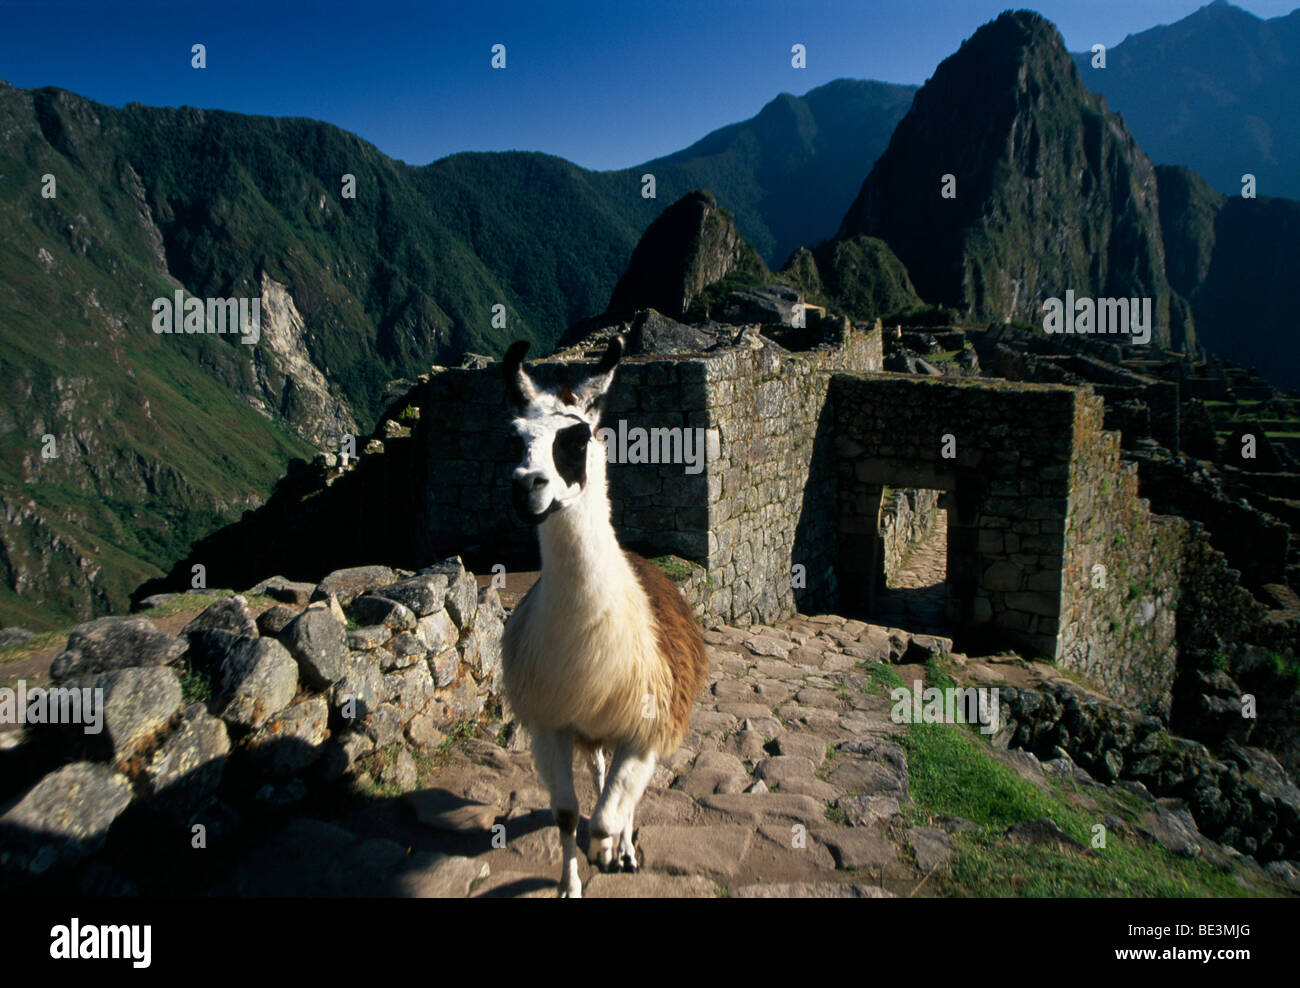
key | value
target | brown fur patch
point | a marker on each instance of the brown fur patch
(679, 639)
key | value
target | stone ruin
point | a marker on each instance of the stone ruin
(820, 471)
(1052, 545)
(233, 720)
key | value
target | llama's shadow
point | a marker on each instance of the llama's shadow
(334, 840)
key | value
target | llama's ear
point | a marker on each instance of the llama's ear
(519, 388)
(593, 389)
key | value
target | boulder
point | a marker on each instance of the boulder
(225, 614)
(187, 769)
(257, 678)
(318, 640)
(461, 599)
(409, 689)
(349, 584)
(438, 631)
(291, 740)
(62, 819)
(370, 609)
(115, 643)
(285, 591)
(361, 690)
(423, 594)
(403, 651)
(275, 619)
(138, 703)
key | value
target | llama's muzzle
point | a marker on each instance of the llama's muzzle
(531, 498)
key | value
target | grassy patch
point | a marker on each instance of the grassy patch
(952, 772)
(20, 650)
(675, 567)
(198, 600)
(883, 677)
(837, 816)
(196, 685)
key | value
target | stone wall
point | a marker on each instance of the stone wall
(1254, 542)
(772, 507)
(761, 501)
(657, 507)
(1122, 573)
(1238, 795)
(235, 718)
(1003, 452)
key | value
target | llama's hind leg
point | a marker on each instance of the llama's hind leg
(602, 849)
(553, 754)
(626, 852)
(628, 777)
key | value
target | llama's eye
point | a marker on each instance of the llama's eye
(574, 439)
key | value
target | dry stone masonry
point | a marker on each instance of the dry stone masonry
(782, 506)
(237, 716)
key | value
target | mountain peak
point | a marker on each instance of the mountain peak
(1221, 7)
(1008, 182)
(692, 244)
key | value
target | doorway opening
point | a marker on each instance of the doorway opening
(911, 583)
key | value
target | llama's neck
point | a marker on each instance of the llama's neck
(581, 557)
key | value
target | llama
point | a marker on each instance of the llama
(603, 653)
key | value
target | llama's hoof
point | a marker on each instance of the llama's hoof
(602, 853)
(627, 862)
(608, 865)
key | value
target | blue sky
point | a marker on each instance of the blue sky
(605, 84)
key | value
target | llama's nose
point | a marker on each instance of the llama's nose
(528, 497)
(530, 482)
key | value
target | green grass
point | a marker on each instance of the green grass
(675, 568)
(943, 356)
(196, 685)
(1286, 669)
(884, 677)
(198, 600)
(20, 650)
(953, 771)
(837, 816)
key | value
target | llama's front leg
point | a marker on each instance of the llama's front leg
(553, 754)
(628, 777)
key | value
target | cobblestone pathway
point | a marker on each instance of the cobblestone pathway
(789, 783)
(916, 597)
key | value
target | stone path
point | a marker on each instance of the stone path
(789, 783)
(916, 597)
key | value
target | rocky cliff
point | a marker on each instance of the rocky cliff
(692, 245)
(1048, 191)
